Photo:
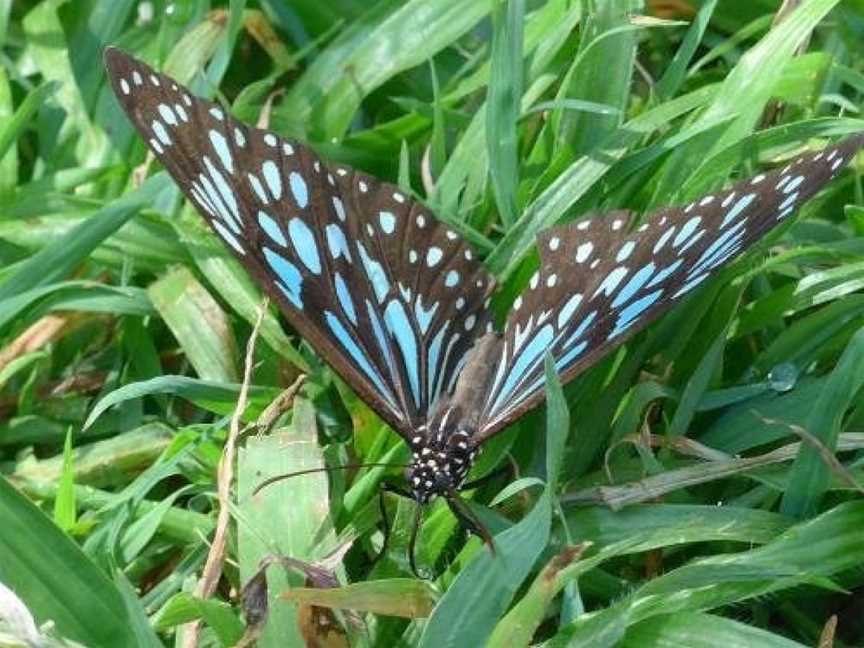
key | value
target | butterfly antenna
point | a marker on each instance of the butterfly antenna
(309, 471)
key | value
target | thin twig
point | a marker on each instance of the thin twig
(216, 556)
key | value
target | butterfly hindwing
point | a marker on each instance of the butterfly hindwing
(386, 293)
(599, 283)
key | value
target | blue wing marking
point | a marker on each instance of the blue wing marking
(356, 353)
(397, 323)
(291, 281)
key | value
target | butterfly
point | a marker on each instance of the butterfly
(399, 305)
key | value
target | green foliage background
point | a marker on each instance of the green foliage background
(711, 466)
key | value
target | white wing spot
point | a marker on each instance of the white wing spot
(136, 78)
(387, 221)
(460, 303)
(287, 149)
(180, 111)
(433, 256)
(124, 86)
(362, 186)
(617, 223)
(217, 113)
(551, 281)
(468, 255)
(688, 229)
(469, 322)
(228, 237)
(583, 225)
(154, 79)
(554, 242)
(160, 132)
(239, 138)
(707, 200)
(412, 256)
(258, 188)
(535, 279)
(569, 308)
(793, 184)
(167, 114)
(452, 279)
(340, 208)
(584, 251)
(270, 139)
(222, 150)
(610, 283)
(759, 178)
(625, 251)
(517, 304)
(398, 197)
(421, 221)
(299, 189)
(272, 178)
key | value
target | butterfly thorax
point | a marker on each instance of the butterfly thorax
(440, 462)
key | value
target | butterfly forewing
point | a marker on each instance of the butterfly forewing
(388, 295)
(599, 283)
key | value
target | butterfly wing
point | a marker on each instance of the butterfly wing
(385, 293)
(597, 284)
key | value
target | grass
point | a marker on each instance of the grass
(699, 487)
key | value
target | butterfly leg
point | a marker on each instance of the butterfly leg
(412, 544)
(386, 487)
(470, 521)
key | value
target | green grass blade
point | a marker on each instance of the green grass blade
(388, 39)
(57, 581)
(60, 257)
(503, 105)
(215, 397)
(198, 323)
(810, 473)
(674, 75)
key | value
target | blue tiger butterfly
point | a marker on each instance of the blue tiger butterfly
(398, 304)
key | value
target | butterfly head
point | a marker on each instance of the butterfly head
(439, 464)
